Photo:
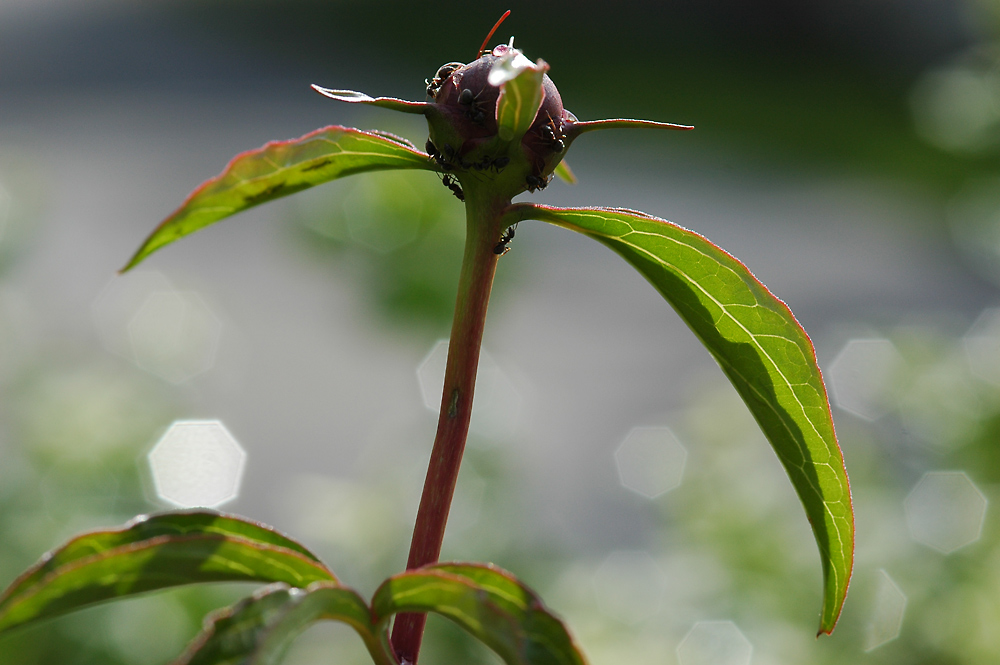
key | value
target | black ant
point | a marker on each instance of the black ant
(502, 247)
(473, 112)
(535, 182)
(434, 84)
(451, 183)
(550, 132)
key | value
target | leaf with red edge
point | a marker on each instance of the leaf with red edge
(259, 630)
(489, 603)
(281, 168)
(761, 348)
(156, 553)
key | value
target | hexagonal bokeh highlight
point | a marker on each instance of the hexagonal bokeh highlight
(496, 408)
(982, 346)
(945, 511)
(714, 643)
(887, 613)
(174, 335)
(630, 586)
(197, 463)
(861, 377)
(650, 461)
(118, 302)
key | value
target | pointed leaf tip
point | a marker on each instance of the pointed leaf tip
(278, 169)
(155, 553)
(354, 97)
(761, 348)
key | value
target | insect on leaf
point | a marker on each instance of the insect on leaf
(281, 168)
(760, 347)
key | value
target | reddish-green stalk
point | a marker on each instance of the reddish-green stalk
(483, 230)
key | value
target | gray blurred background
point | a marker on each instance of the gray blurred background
(847, 152)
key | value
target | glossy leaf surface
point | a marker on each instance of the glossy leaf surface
(281, 168)
(156, 553)
(520, 97)
(487, 602)
(259, 629)
(761, 348)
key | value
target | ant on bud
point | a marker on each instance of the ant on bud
(451, 182)
(535, 182)
(503, 246)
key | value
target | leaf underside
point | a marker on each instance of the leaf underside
(761, 348)
(278, 169)
(487, 602)
(156, 553)
(259, 629)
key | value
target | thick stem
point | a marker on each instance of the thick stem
(483, 222)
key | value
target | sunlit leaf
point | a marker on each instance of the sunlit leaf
(761, 348)
(281, 168)
(361, 98)
(487, 602)
(564, 172)
(156, 553)
(258, 630)
(578, 127)
(520, 96)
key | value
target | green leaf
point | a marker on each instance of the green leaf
(761, 348)
(259, 629)
(281, 168)
(564, 172)
(361, 98)
(155, 553)
(487, 602)
(521, 94)
(577, 127)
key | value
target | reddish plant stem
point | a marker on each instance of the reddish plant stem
(483, 221)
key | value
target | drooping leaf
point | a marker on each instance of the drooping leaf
(361, 98)
(761, 348)
(156, 553)
(487, 602)
(521, 94)
(278, 169)
(258, 630)
(564, 172)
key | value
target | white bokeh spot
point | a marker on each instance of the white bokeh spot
(197, 463)
(945, 511)
(887, 613)
(174, 335)
(714, 643)
(861, 376)
(651, 461)
(982, 346)
(497, 403)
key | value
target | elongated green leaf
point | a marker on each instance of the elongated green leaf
(565, 172)
(281, 168)
(259, 629)
(156, 553)
(761, 348)
(353, 97)
(578, 127)
(520, 96)
(487, 602)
